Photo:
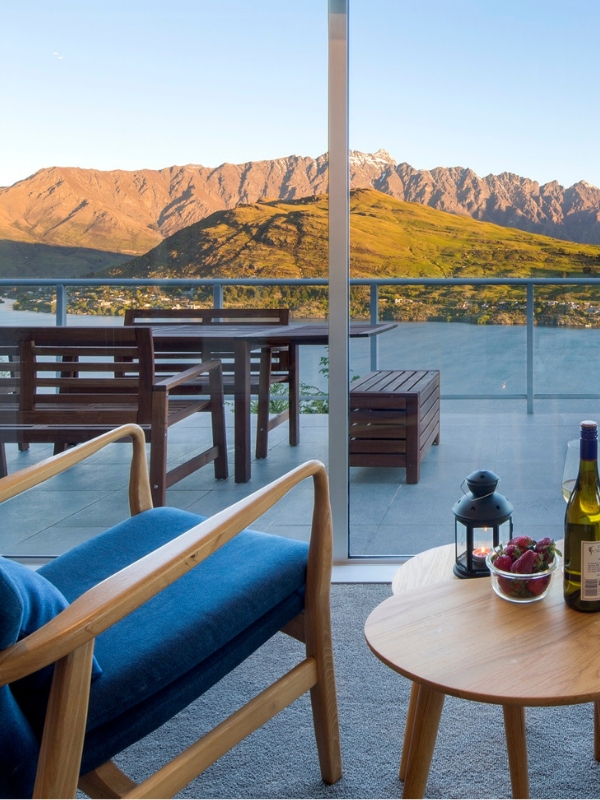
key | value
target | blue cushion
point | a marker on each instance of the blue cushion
(27, 602)
(172, 649)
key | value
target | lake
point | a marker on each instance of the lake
(472, 359)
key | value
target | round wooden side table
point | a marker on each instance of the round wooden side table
(457, 637)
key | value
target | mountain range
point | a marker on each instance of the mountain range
(65, 221)
(390, 238)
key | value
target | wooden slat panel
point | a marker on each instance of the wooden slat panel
(378, 446)
(427, 440)
(83, 351)
(392, 416)
(208, 316)
(110, 417)
(70, 367)
(378, 432)
(430, 402)
(432, 415)
(377, 460)
(44, 402)
(377, 401)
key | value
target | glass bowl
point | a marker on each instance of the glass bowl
(521, 588)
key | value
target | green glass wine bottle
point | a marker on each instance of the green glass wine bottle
(582, 528)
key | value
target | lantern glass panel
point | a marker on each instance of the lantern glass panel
(461, 543)
(483, 539)
(505, 531)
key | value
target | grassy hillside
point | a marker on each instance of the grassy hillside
(389, 238)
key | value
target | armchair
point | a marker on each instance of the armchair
(168, 603)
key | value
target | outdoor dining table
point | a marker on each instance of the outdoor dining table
(242, 340)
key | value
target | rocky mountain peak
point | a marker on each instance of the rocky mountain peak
(380, 158)
(120, 211)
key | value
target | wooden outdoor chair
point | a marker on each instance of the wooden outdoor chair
(144, 618)
(104, 378)
(274, 365)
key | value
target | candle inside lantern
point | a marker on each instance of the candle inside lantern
(479, 556)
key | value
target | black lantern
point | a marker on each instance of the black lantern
(482, 521)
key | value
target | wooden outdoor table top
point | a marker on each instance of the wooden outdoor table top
(305, 333)
(460, 638)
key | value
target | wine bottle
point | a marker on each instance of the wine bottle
(582, 528)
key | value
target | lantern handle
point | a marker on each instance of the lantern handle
(481, 497)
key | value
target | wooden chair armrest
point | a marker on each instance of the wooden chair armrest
(121, 593)
(172, 381)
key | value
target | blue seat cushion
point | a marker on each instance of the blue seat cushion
(173, 648)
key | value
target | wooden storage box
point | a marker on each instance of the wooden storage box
(394, 419)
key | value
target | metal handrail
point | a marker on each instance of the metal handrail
(61, 285)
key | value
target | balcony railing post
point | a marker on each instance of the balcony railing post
(374, 318)
(530, 320)
(218, 295)
(61, 305)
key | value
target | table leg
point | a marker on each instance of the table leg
(408, 731)
(294, 394)
(242, 411)
(597, 730)
(516, 743)
(425, 727)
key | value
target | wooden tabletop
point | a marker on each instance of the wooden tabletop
(304, 333)
(430, 566)
(459, 638)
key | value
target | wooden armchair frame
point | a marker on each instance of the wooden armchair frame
(68, 640)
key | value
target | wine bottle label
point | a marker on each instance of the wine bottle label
(590, 570)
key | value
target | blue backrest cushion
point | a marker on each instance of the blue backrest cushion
(27, 602)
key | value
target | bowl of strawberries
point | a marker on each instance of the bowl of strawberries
(522, 570)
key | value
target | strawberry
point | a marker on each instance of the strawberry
(503, 562)
(522, 542)
(506, 584)
(538, 586)
(546, 547)
(526, 564)
(543, 544)
(512, 551)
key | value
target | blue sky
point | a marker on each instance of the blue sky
(495, 85)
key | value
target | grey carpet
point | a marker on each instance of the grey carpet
(280, 760)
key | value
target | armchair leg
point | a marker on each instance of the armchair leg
(326, 723)
(106, 781)
(64, 728)
(323, 695)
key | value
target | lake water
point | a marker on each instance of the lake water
(472, 359)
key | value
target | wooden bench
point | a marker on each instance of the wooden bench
(394, 419)
(271, 366)
(65, 385)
